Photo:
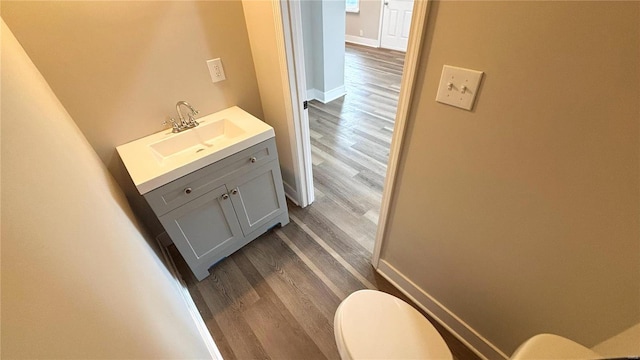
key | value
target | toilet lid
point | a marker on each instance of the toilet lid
(549, 346)
(375, 325)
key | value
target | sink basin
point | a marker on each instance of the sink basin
(195, 140)
(160, 158)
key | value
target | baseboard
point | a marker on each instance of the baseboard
(359, 40)
(164, 239)
(461, 330)
(191, 305)
(333, 94)
(313, 94)
(394, 48)
(291, 193)
(326, 96)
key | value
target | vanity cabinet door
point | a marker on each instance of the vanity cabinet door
(258, 197)
(203, 228)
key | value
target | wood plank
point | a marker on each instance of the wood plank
(349, 156)
(354, 225)
(265, 291)
(330, 267)
(372, 180)
(332, 165)
(232, 290)
(221, 340)
(238, 335)
(227, 294)
(341, 189)
(279, 338)
(341, 242)
(310, 302)
(311, 264)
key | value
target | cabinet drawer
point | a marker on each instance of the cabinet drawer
(198, 183)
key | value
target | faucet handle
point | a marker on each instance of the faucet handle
(174, 124)
(192, 119)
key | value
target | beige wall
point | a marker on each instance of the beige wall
(120, 67)
(367, 20)
(266, 38)
(79, 279)
(624, 344)
(522, 217)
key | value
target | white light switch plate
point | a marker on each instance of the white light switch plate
(216, 70)
(458, 87)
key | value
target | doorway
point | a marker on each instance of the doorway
(350, 142)
(291, 22)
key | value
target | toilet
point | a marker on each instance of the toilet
(549, 346)
(370, 324)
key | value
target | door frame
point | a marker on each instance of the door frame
(291, 20)
(289, 14)
(407, 85)
(380, 23)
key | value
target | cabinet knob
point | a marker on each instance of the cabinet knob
(234, 191)
(225, 196)
(253, 159)
(188, 191)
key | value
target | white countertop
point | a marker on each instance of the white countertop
(150, 171)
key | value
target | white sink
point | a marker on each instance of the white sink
(160, 158)
(200, 138)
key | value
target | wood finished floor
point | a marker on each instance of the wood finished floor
(276, 297)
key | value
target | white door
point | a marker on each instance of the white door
(396, 21)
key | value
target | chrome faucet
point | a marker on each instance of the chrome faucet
(183, 124)
(192, 120)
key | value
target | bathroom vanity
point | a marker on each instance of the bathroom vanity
(232, 195)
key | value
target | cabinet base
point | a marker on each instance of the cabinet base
(202, 272)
